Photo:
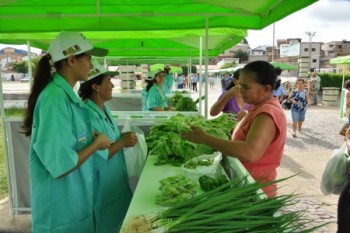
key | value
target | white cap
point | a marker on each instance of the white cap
(98, 69)
(167, 66)
(67, 44)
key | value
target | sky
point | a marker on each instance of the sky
(329, 19)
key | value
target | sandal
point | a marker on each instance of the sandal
(294, 134)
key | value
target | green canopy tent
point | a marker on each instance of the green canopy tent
(37, 16)
(113, 15)
(344, 60)
(284, 66)
(341, 60)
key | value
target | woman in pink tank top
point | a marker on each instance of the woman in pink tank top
(258, 139)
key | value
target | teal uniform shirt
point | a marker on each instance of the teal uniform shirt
(156, 99)
(144, 95)
(61, 127)
(112, 194)
(168, 83)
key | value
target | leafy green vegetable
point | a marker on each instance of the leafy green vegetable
(165, 141)
(175, 189)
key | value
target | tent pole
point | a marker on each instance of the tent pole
(200, 75)
(206, 67)
(30, 70)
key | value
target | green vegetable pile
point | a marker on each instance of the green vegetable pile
(175, 189)
(208, 183)
(182, 103)
(165, 141)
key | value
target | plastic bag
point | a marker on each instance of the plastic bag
(135, 157)
(335, 174)
(194, 169)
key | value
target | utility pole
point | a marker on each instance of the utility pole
(310, 34)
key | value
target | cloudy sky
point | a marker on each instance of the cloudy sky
(330, 19)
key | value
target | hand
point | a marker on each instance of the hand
(241, 114)
(235, 91)
(101, 140)
(196, 135)
(129, 139)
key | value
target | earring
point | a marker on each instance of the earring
(98, 95)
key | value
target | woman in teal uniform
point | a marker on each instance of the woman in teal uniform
(61, 139)
(144, 94)
(112, 194)
(156, 99)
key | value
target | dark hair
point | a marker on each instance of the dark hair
(235, 76)
(265, 73)
(278, 84)
(42, 77)
(85, 89)
(149, 84)
(347, 84)
(278, 71)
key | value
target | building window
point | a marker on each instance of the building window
(306, 49)
(314, 60)
(339, 46)
(313, 49)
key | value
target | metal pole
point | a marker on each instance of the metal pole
(30, 71)
(206, 67)
(200, 74)
(273, 42)
(310, 34)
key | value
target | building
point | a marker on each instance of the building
(333, 49)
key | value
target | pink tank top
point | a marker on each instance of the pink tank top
(265, 168)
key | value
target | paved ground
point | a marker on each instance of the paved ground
(307, 155)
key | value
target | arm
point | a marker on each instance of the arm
(100, 142)
(260, 136)
(128, 139)
(222, 101)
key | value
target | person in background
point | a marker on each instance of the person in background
(228, 80)
(62, 141)
(194, 82)
(180, 81)
(258, 139)
(112, 194)
(347, 98)
(344, 198)
(223, 82)
(278, 90)
(300, 100)
(211, 82)
(157, 100)
(231, 101)
(169, 81)
(144, 94)
(315, 85)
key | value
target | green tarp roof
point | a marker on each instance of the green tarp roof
(140, 28)
(284, 66)
(340, 60)
(137, 15)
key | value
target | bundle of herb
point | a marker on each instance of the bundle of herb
(165, 141)
(232, 207)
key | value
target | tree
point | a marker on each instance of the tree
(243, 56)
(20, 67)
(185, 70)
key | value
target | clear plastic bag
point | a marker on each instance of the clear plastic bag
(135, 157)
(200, 170)
(335, 174)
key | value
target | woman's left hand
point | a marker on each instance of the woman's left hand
(196, 135)
(129, 139)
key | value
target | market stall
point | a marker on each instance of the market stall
(17, 152)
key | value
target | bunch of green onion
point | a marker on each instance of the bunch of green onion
(230, 208)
